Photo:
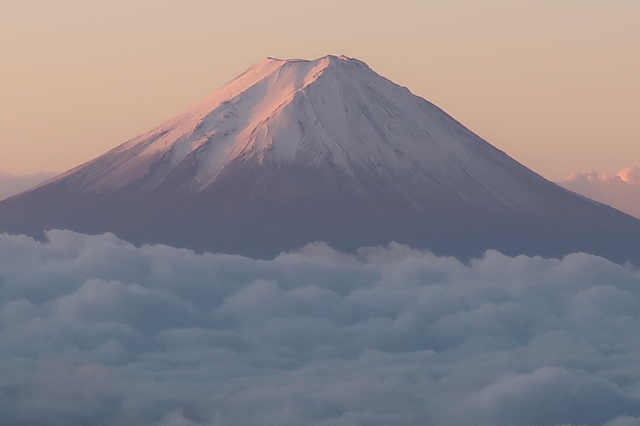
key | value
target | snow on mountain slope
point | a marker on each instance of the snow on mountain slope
(295, 151)
(332, 111)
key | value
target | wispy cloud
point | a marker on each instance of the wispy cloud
(13, 184)
(621, 191)
(97, 331)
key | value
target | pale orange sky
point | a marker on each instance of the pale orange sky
(554, 83)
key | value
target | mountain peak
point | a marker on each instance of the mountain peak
(333, 111)
(296, 151)
(324, 59)
(275, 111)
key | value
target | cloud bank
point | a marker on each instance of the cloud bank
(621, 191)
(96, 331)
(11, 185)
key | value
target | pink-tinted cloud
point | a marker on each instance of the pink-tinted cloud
(621, 190)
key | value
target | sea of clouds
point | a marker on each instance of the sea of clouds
(94, 331)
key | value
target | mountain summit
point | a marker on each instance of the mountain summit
(296, 151)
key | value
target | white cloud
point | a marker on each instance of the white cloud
(621, 191)
(96, 331)
(11, 185)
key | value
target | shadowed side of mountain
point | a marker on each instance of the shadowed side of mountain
(260, 211)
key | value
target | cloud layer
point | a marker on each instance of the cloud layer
(621, 191)
(11, 185)
(96, 331)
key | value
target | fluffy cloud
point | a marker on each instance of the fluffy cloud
(96, 331)
(11, 185)
(621, 191)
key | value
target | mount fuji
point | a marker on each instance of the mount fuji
(295, 151)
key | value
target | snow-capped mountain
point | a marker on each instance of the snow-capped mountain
(295, 151)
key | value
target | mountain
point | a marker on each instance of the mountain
(296, 151)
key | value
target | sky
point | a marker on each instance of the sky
(552, 83)
(96, 331)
